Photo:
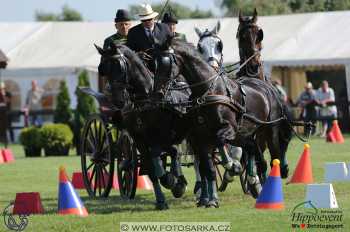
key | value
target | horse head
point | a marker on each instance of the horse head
(249, 36)
(125, 72)
(210, 46)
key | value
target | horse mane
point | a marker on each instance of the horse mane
(134, 59)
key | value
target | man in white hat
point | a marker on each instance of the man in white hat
(141, 37)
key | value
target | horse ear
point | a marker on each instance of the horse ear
(100, 50)
(240, 17)
(216, 29)
(255, 16)
(198, 31)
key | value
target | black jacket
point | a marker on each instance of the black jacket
(138, 40)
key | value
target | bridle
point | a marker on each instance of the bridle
(258, 38)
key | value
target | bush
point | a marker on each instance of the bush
(30, 138)
(56, 139)
(63, 112)
(85, 107)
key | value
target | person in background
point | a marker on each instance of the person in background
(328, 111)
(171, 20)
(5, 106)
(306, 102)
(122, 24)
(33, 103)
(280, 89)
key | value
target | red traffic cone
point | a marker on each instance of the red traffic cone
(271, 196)
(330, 137)
(7, 155)
(337, 132)
(28, 203)
(303, 171)
(115, 183)
(69, 201)
(1, 158)
(78, 181)
(143, 182)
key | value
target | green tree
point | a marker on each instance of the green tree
(85, 107)
(63, 112)
(272, 7)
(181, 11)
(67, 14)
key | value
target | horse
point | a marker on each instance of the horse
(210, 46)
(223, 111)
(250, 36)
(154, 128)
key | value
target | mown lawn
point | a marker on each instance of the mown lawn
(41, 175)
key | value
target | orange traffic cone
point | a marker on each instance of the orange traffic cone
(337, 132)
(69, 201)
(143, 182)
(303, 171)
(271, 196)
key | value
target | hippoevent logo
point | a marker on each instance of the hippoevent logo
(14, 222)
(306, 216)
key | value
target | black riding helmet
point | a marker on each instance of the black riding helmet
(169, 18)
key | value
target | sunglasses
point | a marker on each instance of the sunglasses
(147, 20)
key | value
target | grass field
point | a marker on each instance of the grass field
(41, 175)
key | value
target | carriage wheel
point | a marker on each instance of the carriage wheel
(220, 183)
(244, 175)
(97, 161)
(127, 177)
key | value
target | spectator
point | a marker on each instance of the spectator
(281, 91)
(33, 103)
(328, 111)
(307, 101)
(5, 105)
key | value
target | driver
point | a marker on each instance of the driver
(171, 20)
(141, 38)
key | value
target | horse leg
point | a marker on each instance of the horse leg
(275, 151)
(180, 187)
(209, 194)
(166, 178)
(197, 186)
(211, 177)
(204, 196)
(160, 198)
(254, 182)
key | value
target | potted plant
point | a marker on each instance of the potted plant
(56, 139)
(30, 138)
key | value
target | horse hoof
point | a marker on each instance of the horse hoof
(162, 206)
(227, 177)
(202, 203)
(167, 180)
(179, 188)
(212, 204)
(236, 169)
(197, 187)
(284, 171)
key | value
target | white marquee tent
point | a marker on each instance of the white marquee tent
(57, 50)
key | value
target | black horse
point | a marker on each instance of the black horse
(241, 112)
(154, 127)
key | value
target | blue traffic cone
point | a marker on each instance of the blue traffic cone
(271, 196)
(69, 201)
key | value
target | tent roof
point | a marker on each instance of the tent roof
(299, 39)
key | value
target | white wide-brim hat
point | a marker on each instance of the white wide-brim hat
(146, 12)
